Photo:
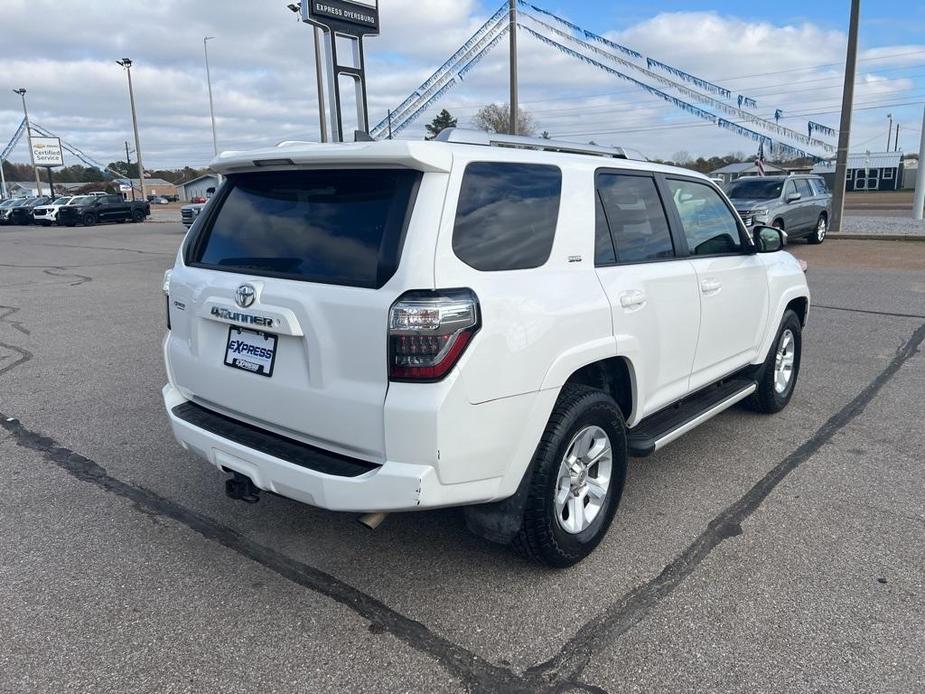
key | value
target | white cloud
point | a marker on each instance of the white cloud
(263, 75)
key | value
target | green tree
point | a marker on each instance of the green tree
(496, 118)
(441, 122)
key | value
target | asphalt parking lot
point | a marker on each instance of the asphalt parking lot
(759, 554)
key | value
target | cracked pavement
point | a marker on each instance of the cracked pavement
(755, 554)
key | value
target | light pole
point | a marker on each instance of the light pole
(127, 64)
(205, 49)
(319, 73)
(889, 133)
(25, 113)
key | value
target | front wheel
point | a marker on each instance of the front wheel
(781, 368)
(89, 220)
(578, 473)
(822, 228)
(138, 216)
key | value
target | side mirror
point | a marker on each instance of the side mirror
(794, 197)
(769, 239)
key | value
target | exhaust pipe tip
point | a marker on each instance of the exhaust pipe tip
(372, 520)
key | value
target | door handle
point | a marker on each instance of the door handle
(633, 299)
(711, 286)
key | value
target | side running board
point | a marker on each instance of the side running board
(663, 427)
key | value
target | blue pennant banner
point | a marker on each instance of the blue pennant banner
(821, 129)
(703, 84)
(610, 44)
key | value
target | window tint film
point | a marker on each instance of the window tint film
(331, 227)
(819, 186)
(709, 225)
(803, 188)
(507, 214)
(636, 217)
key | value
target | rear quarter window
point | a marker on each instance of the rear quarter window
(341, 227)
(506, 216)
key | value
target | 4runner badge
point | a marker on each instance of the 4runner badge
(244, 295)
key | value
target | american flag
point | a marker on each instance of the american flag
(759, 162)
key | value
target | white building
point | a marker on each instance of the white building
(198, 187)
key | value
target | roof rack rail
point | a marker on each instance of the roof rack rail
(486, 139)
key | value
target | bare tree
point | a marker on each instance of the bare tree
(496, 118)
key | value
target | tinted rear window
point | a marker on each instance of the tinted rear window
(507, 214)
(331, 227)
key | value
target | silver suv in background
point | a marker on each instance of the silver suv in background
(799, 205)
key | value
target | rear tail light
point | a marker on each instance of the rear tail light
(429, 331)
(166, 287)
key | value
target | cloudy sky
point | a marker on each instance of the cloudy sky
(785, 54)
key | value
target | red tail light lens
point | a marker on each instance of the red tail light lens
(428, 333)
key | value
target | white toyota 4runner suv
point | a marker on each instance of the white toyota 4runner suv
(490, 322)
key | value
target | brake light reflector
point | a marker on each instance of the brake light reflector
(429, 331)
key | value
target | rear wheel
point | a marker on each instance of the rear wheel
(781, 368)
(88, 219)
(578, 473)
(822, 228)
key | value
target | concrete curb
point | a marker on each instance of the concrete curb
(876, 237)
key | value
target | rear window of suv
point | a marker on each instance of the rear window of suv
(341, 227)
(507, 215)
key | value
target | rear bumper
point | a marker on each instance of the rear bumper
(394, 486)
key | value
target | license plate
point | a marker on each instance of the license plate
(251, 350)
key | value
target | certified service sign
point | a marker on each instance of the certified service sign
(47, 151)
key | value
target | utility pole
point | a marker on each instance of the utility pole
(127, 64)
(390, 124)
(205, 49)
(128, 168)
(889, 133)
(515, 110)
(896, 147)
(25, 113)
(919, 203)
(2, 181)
(844, 135)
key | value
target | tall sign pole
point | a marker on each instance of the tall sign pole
(25, 113)
(319, 77)
(514, 106)
(844, 133)
(352, 22)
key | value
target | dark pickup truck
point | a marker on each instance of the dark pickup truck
(92, 210)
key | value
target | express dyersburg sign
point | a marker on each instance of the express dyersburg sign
(47, 151)
(357, 18)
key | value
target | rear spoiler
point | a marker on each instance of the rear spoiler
(420, 156)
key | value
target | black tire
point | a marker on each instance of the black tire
(541, 537)
(88, 219)
(817, 235)
(767, 398)
(45, 224)
(70, 224)
(138, 216)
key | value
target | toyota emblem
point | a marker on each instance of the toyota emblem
(244, 295)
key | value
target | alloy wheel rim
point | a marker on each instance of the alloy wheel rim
(584, 479)
(821, 228)
(784, 361)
